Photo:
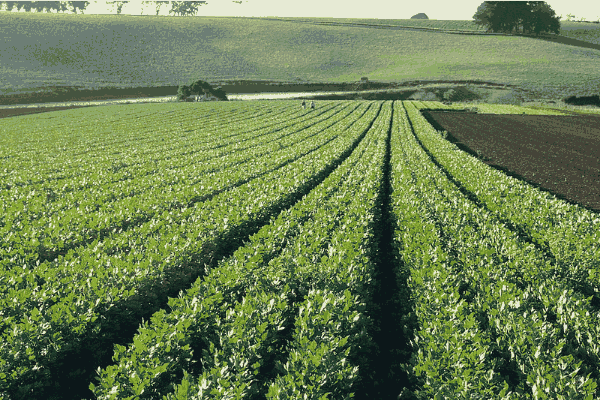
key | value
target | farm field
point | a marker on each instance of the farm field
(585, 31)
(558, 153)
(258, 250)
(589, 32)
(461, 25)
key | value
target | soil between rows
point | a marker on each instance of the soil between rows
(558, 154)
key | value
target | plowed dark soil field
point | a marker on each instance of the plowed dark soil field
(559, 154)
(13, 112)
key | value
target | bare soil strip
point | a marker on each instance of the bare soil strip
(559, 154)
(13, 112)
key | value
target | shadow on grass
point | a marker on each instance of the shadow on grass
(563, 40)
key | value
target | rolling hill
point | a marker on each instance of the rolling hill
(99, 51)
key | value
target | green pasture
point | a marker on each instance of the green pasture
(586, 31)
(418, 23)
(97, 51)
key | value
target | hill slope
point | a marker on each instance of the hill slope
(127, 51)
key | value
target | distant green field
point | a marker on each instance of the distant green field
(129, 51)
(420, 23)
(589, 32)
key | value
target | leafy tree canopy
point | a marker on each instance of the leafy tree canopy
(185, 7)
(200, 87)
(177, 7)
(45, 6)
(119, 5)
(517, 17)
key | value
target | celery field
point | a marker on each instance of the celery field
(256, 250)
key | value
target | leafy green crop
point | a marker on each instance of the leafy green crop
(134, 269)
(271, 219)
(282, 259)
(512, 320)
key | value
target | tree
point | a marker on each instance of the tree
(485, 16)
(48, 6)
(119, 5)
(570, 16)
(160, 4)
(38, 6)
(220, 94)
(543, 19)
(501, 16)
(157, 4)
(18, 5)
(59, 6)
(27, 5)
(78, 5)
(185, 7)
(183, 92)
(200, 87)
(517, 16)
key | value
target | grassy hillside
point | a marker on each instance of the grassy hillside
(586, 31)
(589, 32)
(419, 23)
(129, 51)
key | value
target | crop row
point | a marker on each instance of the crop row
(122, 170)
(100, 124)
(280, 317)
(92, 290)
(90, 172)
(116, 151)
(38, 231)
(568, 233)
(492, 320)
(503, 278)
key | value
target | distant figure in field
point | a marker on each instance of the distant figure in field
(303, 104)
(312, 105)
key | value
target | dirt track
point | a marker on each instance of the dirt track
(560, 154)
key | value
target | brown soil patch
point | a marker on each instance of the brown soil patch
(559, 154)
(13, 112)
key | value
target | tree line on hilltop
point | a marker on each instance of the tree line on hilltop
(497, 16)
(44, 6)
(177, 7)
